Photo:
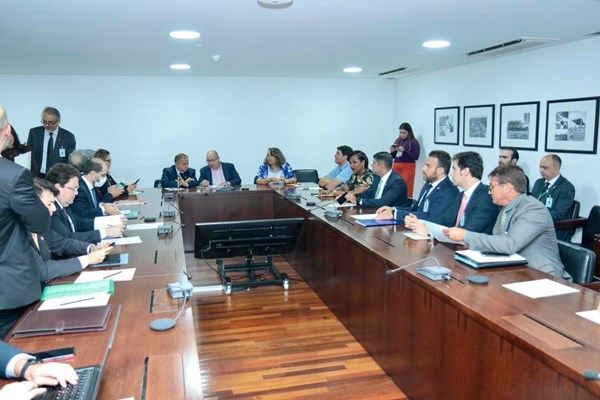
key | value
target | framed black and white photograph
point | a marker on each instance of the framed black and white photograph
(478, 125)
(447, 120)
(519, 125)
(572, 125)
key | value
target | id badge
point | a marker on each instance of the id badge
(426, 206)
(549, 202)
(62, 152)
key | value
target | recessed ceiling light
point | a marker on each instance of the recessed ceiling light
(352, 70)
(436, 44)
(275, 3)
(180, 66)
(184, 35)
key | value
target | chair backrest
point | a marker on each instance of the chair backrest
(307, 175)
(591, 227)
(579, 262)
(157, 183)
(573, 213)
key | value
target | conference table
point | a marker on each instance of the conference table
(448, 339)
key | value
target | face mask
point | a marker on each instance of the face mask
(101, 182)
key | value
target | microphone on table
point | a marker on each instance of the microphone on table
(329, 213)
(436, 273)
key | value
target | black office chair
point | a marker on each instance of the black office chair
(579, 262)
(307, 175)
(157, 183)
(567, 234)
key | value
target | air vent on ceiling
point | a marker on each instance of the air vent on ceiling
(392, 73)
(510, 46)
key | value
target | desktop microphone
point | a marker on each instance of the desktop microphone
(437, 271)
(164, 324)
(329, 213)
(591, 375)
(168, 196)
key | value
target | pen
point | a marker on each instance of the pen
(108, 276)
(141, 218)
(77, 301)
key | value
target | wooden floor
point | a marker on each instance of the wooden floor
(268, 343)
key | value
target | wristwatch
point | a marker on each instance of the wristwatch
(28, 364)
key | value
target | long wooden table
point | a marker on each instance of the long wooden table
(143, 363)
(437, 340)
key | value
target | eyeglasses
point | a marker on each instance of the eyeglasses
(49, 123)
(494, 186)
(211, 160)
(73, 189)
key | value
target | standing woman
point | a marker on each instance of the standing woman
(405, 151)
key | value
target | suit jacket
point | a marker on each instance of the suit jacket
(437, 202)
(104, 196)
(7, 352)
(84, 205)
(84, 227)
(21, 212)
(394, 192)
(529, 231)
(51, 269)
(229, 172)
(169, 177)
(35, 140)
(563, 195)
(479, 216)
(61, 247)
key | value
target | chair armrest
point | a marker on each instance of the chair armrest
(570, 223)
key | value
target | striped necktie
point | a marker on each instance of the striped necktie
(501, 223)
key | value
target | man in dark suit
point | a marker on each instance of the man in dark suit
(49, 143)
(180, 174)
(15, 363)
(21, 212)
(86, 203)
(65, 179)
(218, 173)
(523, 226)
(472, 209)
(555, 191)
(436, 195)
(388, 188)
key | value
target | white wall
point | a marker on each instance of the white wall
(559, 72)
(145, 121)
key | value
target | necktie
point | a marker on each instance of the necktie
(501, 223)
(461, 210)
(93, 191)
(425, 193)
(379, 190)
(49, 152)
(68, 219)
(544, 191)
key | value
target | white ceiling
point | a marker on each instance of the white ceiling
(313, 38)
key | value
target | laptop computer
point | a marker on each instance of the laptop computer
(89, 377)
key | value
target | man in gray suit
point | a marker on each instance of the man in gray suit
(523, 226)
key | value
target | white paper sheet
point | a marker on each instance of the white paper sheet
(125, 274)
(416, 236)
(438, 232)
(85, 300)
(540, 288)
(364, 216)
(123, 240)
(144, 226)
(129, 203)
(107, 221)
(592, 315)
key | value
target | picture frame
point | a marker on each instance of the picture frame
(478, 125)
(446, 125)
(519, 125)
(572, 125)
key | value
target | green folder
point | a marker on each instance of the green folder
(77, 289)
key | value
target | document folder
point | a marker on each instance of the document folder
(56, 322)
(478, 259)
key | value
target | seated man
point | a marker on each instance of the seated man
(435, 197)
(65, 179)
(388, 188)
(472, 209)
(555, 191)
(341, 173)
(78, 158)
(15, 363)
(86, 203)
(218, 173)
(180, 174)
(524, 225)
(49, 268)
(510, 155)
